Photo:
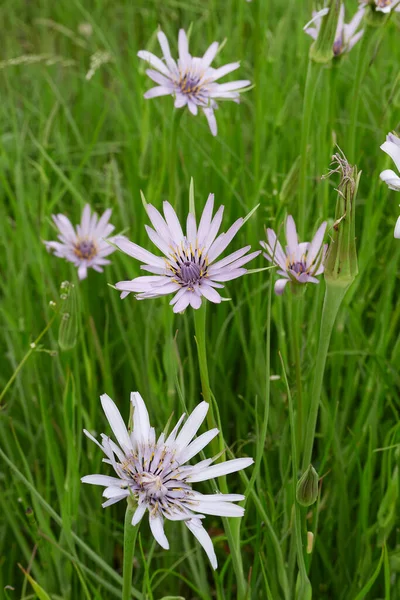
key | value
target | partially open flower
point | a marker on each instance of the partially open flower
(341, 265)
(154, 472)
(346, 36)
(383, 6)
(191, 80)
(392, 148)
(86, 246)
(188, 266)
(299, 263)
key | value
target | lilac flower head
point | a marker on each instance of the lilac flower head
(384, 6)
(86, 245)
(392, 148)
(188, 266)
(191, 80)
(300, 262)
(346, 36)
(155, 474)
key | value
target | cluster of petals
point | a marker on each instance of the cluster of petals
(154, 472)
(346, 36)
(188, 266)
(191, 79)
(392, 148)
(87, 245)
(299, 262)
(384, 6)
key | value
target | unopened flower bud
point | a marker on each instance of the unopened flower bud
(341, 265)
(307, 487)
(321, 50)
(310, 542)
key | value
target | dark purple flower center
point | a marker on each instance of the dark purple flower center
(85, 249)
(190, 271)
(338, 46)
(298, 267)
(189, 84)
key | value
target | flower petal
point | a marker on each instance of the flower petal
(195, 526)
(105, 480)
(116, 422)
(230, 466)
(192, 425)
(141, 422)
(157, 529)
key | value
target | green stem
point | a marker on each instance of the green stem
(304, 590)
(200, 332)
(296, 332)
(173, 158)
(232, 530)
(313, 72)
(130, 534)
(27, 355)
(334, 295)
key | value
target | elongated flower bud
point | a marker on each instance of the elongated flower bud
(307, 487)
(321, 50)
(341, 265)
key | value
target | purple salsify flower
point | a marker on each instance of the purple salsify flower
(346, 36)
(191, 80)
(392, 148)
(155, 474)
(300, 262)
(384, 6)
(86, 246)
(188, 267)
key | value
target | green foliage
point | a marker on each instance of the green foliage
(67, 140)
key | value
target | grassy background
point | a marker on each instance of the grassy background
(66, 141)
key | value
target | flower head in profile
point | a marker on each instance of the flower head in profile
(299, 262)
(384, 6)
(155, 473)
(86, 245)
(188, 266)
(346, 36)
(191, 79)
(392, 148)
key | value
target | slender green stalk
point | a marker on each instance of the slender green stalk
(130, 534)
(296, 310)
(173, 158)
(32, 349)
(304, 590)
(200, 331)
(232, 531)
(334, 295)
(313, 72)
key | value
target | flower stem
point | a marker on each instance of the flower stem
(313, 72)
(296, 310)
(200, 332)
(173, 159)
(32, 349)
(304, 589)
(232, 530)
(130, 534)
(334, 295)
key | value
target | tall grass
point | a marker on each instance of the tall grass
(66, 141)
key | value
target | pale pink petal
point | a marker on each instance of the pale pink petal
(154, 61)
(279, 287)
(195, 526)
(155, 92)
(157, 529)
(212, 122)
